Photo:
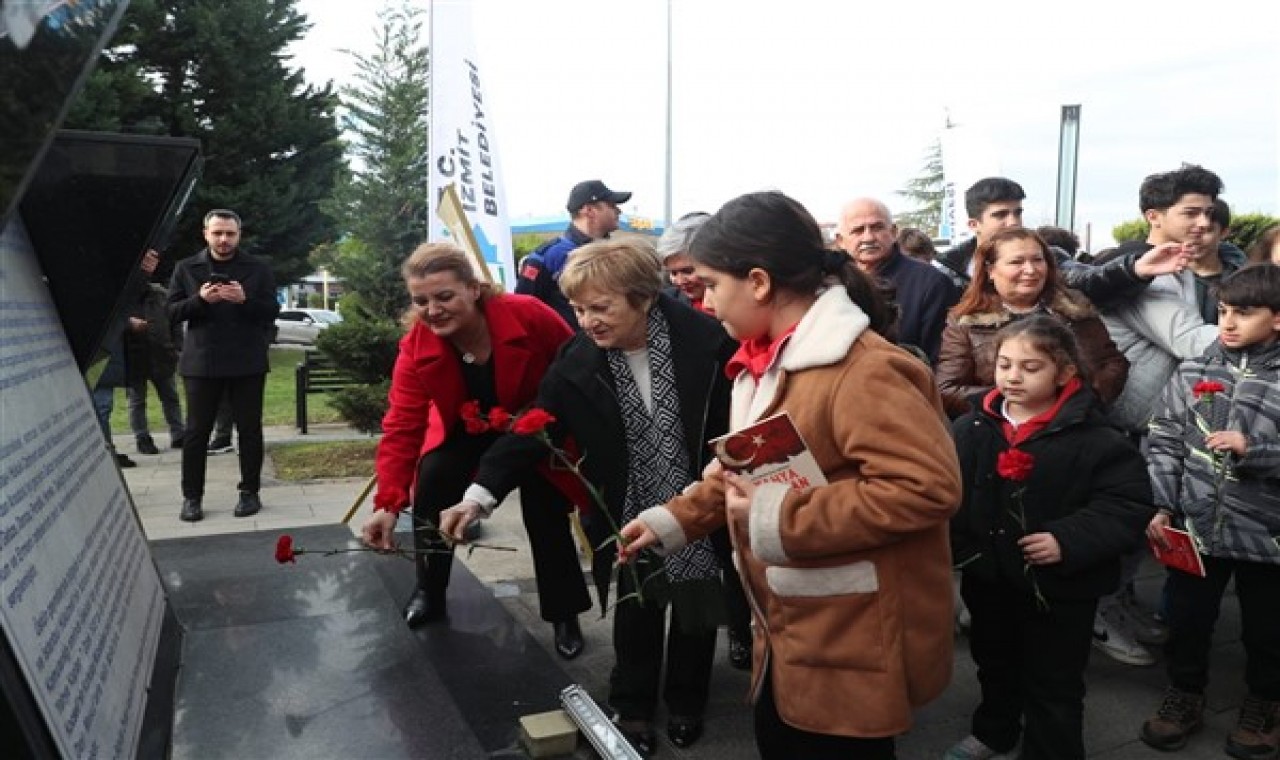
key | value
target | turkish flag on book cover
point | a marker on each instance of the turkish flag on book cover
(769, 451)
(1181, 554)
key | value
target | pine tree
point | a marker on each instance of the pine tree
(216, 70)
(926, 192)
(382, 204)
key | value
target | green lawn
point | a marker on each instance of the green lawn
(328, 459)
(278, 403)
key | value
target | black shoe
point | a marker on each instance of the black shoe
(683, 732)
(639, 734)
(419, 610)
(221, 445)
(147, 446)
(176, 443)
(249, 504)
(191, 511)
(124, 462)
(740, 651)
(569, 643)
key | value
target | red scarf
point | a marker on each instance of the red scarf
(1016, 435)
(756, 355)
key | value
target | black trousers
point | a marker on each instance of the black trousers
(203, 396)
(1031, 667)
(735, 598)
(1193, 607)
(443, 476)
(778, 740)
(639, 633)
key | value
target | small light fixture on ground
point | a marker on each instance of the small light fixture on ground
(604, 736)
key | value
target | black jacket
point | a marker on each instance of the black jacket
(153, 352)
(923, 295)
(224, 339)
(1089, 488)
(579, 390)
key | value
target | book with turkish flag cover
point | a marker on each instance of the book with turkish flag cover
(769, 451)
(1181, 554)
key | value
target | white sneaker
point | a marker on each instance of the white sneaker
(1141, 623)
(963, 619)
(1112, 637)
(970, 748)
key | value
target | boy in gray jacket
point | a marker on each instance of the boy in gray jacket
(1215, 469)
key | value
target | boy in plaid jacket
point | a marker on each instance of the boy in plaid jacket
(1215, 470)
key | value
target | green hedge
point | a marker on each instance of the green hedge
(1245, 229)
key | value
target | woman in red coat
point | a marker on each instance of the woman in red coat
(467, 343)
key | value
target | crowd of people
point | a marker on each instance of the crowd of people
(1010, 410)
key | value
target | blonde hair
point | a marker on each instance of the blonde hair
(627, 265)
(434, 258)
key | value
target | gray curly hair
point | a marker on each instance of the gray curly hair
(675, 240)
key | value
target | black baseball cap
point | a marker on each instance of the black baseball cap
(591, 191)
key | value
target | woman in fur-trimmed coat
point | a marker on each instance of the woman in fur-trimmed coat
(1014, 276)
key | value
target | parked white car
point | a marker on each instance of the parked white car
(303, 325)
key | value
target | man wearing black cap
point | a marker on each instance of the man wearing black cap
(594, 213)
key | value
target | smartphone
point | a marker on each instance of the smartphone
(217, 278)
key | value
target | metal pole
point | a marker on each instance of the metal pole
(1068, 161)
(431, 105)
(666, 202)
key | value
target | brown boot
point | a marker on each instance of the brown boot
(1257, 734)
(1181, 714)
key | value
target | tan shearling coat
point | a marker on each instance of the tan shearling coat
(850, 582)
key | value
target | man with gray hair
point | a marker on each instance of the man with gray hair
(923, 294)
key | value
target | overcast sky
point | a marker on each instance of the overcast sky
(828, 101)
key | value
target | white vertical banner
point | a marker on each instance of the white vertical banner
(463, 150)
(967, 156)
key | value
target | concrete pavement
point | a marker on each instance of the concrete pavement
(1120, 697)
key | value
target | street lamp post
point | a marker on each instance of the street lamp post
(1068, 160)
(666, 196)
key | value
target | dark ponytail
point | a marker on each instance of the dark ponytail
(773, 232)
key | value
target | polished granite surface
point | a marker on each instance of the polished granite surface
(313, 660)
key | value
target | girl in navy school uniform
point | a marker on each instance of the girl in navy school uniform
(1053, 496)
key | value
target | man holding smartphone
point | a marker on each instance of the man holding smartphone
(227, 298)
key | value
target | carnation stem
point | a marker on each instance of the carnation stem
(603, 508)
(426, 524)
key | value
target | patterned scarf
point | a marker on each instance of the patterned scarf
(658, 466)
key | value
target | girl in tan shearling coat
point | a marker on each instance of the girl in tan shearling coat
(850, 582)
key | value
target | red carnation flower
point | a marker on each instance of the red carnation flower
(470, 410)
(532, 422)
(284, 549)
(499, 418)
(1015, 465)
(475, 425)
(1207, 387)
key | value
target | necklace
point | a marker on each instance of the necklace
(469, 357)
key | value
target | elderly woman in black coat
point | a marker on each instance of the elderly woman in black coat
(639, 391)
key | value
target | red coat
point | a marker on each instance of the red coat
(427, 388)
